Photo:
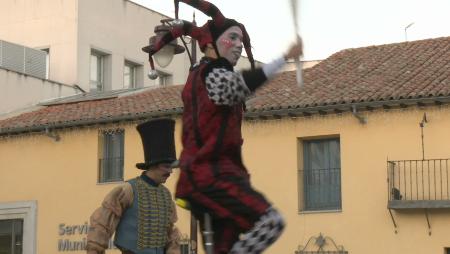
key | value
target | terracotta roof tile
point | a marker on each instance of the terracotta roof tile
(409, 70)
(377, 73)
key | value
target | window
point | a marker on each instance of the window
(11, 235)
(132, 74)
(447, 250)
(129, 75)
(97, 71)
(321, 175)
(112, 156)
(47, 62)
(164, 78)
(18, 227)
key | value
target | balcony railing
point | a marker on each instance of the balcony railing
(418, 184)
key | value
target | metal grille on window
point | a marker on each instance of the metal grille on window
(322, 175)
(11, 236)
(185, 246)
(112, 161)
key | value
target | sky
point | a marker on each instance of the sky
(325, 26)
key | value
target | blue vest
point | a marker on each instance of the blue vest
(143, 226)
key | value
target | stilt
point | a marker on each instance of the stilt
(207, 231)
(208, 235)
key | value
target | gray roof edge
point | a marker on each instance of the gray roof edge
(345, 107)
(87, 122)
(248, 115)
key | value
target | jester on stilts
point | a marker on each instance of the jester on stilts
(213, 178)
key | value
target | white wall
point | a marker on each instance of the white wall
(44, 24)
(120, 28)
(70, 28)
(19, 91)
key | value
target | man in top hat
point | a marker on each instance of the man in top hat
(141, 211)
(213, 178)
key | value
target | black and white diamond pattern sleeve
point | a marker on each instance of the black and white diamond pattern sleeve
(226, 87)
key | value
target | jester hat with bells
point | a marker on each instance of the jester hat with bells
(208, 33)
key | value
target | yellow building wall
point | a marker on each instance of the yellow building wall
(62, 177)
(364, 224)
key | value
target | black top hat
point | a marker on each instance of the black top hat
(158, 141)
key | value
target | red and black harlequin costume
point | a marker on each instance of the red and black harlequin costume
(213, 177)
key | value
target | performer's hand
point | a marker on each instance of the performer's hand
(295, 51)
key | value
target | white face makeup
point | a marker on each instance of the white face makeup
(229, 44)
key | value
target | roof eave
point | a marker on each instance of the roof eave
(347, 107)
(249, 115)
(88, 122)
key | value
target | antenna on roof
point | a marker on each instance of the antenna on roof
(406, 28)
